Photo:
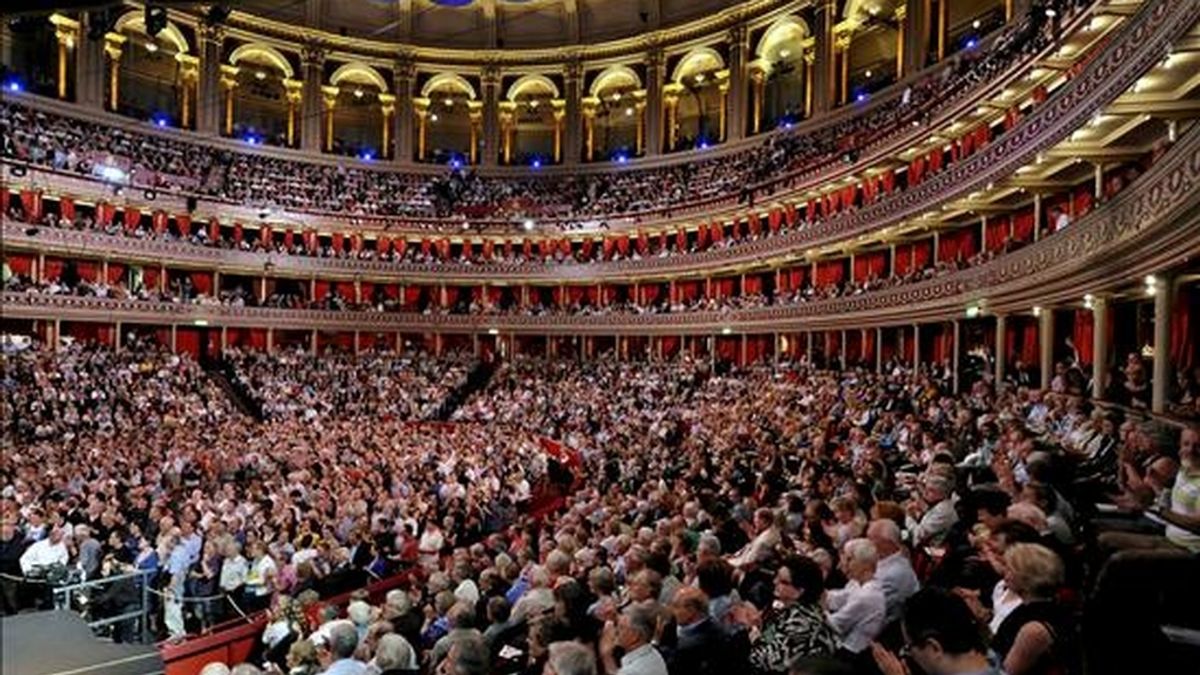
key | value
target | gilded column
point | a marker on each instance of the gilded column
(758, 81)
(294, 93)
(228, 87)
(329, 94)
(589, 130)
(670, 122)
(475, 117)
(387, 106)
(66, 35)
(114, 44)
(189, 76)
(560, 115)
(421, 112)
(508, 127)
(655, 75)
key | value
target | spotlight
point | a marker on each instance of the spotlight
(972, 43)
(13, 86)
(433, 117)
(537, 163)
(976, 24)
(455, 163)
(160, 121)
(151, 47)
(260, 75)
(366, 155)
(528, 224)
(629, 112)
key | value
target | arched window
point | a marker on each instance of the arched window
(449, 120)
(614, 115)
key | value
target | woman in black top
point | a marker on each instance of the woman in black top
(1037, 637)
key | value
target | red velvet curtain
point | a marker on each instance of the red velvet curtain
(830, 273)
(66, 208)
(150, 276)
(996, 234)
(752, 285)
(89, 270)
(187, 341)
(20, 263)
(116, 272)
(52, 268)
(131, 218)
(1184, 316)
(1082, 331)
(1023, 226)
(869, 265)
(868, 344)
(922, 252)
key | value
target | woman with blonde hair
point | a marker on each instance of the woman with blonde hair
(1037, 637)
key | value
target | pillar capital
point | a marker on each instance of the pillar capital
(189, 66)
(229, 76)
(490, 75)
(312, 54)
(329, 94)
(387, 103)
(114, 45)
(211, 33)
(66, 29)
(293, 89)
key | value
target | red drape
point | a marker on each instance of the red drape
(20, 263)
(1184, 316)
(31, 202)
(869, 265)
(996, 234)
(183, 222)
(1022, 229)
(830, 273)
(66, 208)
(52, 268)
(1081, 334)
(922, 252)
(131, 218)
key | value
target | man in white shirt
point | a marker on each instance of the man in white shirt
(49, 551)
(857, 611)
(894, 571)
(633, 632)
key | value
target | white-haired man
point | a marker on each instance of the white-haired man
(857, 611)
(894, 571)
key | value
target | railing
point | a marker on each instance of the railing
(1151, 226)
(81, 596)
(1140, 44)
(901, 136)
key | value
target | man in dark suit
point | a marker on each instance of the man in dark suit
(700, 645)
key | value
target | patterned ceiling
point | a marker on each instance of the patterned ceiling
(468, 24)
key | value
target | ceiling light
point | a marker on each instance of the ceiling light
(699, 78)
(151, 47)
(629, 112)
(358, 93)
(1051, 13)
(433, 117)
(1037, 310)
(868, 73)
(533, 105)
(493, 331)
(976, 24)
(726, 330)
(528, 224)
(1089, 301)
(449, 102)
(261, 75)
(784, 53)
(616, 96)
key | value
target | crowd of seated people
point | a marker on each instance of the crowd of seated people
(297, 384)
(767, 520)
(182, 290)
(160, 161)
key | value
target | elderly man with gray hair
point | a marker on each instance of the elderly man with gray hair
(931, 513)
(570, 658)
(633, 632)
(341, 641)
(894, 571)
(857, 611)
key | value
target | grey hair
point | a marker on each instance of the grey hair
(394, 653)
(343, 639)
(886, 529)
(398, 601)
(709, 543)
(862, 551)
(643, 619)
(572, 658)
(246, 669)
(469, 656)
(215, 668)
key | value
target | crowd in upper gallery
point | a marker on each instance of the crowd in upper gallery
(168, 162)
